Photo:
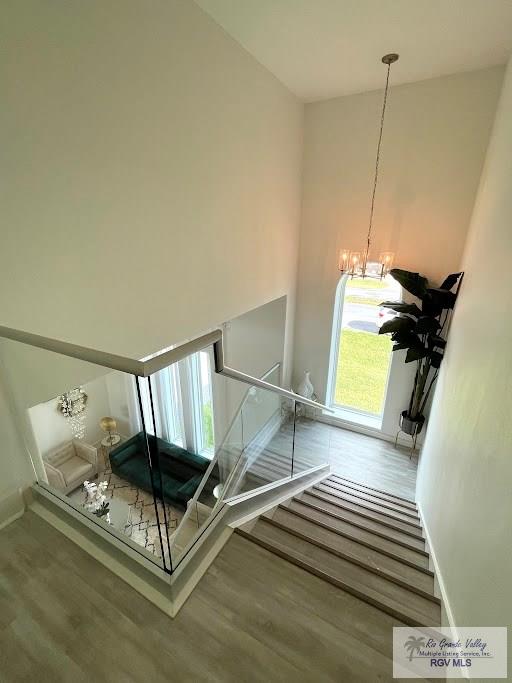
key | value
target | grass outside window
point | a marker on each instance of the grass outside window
(362, 371)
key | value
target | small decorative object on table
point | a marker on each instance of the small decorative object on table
(108, 424)
(422, 332)
(95, 499)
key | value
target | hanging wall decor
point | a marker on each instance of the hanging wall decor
(73, 405)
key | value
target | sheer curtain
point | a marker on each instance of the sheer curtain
(182, 404)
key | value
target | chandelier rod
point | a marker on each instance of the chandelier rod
(387, 59)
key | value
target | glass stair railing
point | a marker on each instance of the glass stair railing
(156, 484)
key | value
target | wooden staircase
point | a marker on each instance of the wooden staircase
(362, 540)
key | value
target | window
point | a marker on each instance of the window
(182, 402)
(167, 405)
(360, 358)
(201, 402)
(169, 396)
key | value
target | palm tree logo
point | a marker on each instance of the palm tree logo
(414, 645)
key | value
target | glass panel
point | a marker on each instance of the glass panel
(256, 450)
(85, 434)
(311, 444)
(268, 442)
(207, 498)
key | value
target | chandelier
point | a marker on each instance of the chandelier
(357, 263)
(73, 406)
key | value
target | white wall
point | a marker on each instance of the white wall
(14, 462)
(51, 428)
(433, 148)
(465, 475)
(254, 343)
(151, 183)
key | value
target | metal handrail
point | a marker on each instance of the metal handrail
(255, 382)
(107, 360)
(150, 364)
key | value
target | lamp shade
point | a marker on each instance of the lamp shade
(108, 424)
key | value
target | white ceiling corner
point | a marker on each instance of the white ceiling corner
(326, 48)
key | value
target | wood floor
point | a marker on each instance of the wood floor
(355, 456)
(362, 458)
(253, 617)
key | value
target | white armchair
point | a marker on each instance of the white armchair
(70, 465)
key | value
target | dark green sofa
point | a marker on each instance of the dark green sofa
(181, 471)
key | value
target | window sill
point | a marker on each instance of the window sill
(353, 417)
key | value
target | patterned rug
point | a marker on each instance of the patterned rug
(133, 512)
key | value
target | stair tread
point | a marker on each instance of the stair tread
(371, 488)
(407, 552)
(383, 495)
(379, 591)
(379, 506)
(398, 522)
(372, 498)
(408, 518)
(368, 521)
(371, 557)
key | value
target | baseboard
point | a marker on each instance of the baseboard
(362, 429)
(12, 507)
(440, 581)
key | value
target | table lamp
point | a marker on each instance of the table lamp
(108, 424)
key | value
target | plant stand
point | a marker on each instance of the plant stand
(413, 437)
(411, 427)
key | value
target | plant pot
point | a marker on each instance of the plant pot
(411, 425)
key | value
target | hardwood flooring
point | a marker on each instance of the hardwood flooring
(363, 459)
(253, 617)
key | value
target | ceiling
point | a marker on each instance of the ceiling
(326, 48)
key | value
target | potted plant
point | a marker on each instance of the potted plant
(95, 499)
(421, 330)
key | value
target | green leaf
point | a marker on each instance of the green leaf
(415, 354)
(427, 325)
(435, 358)
(441, 297)
(397, 324)
(434, 340)
(414, 283)
(409, 335)
(401, 307)
(450, 281)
